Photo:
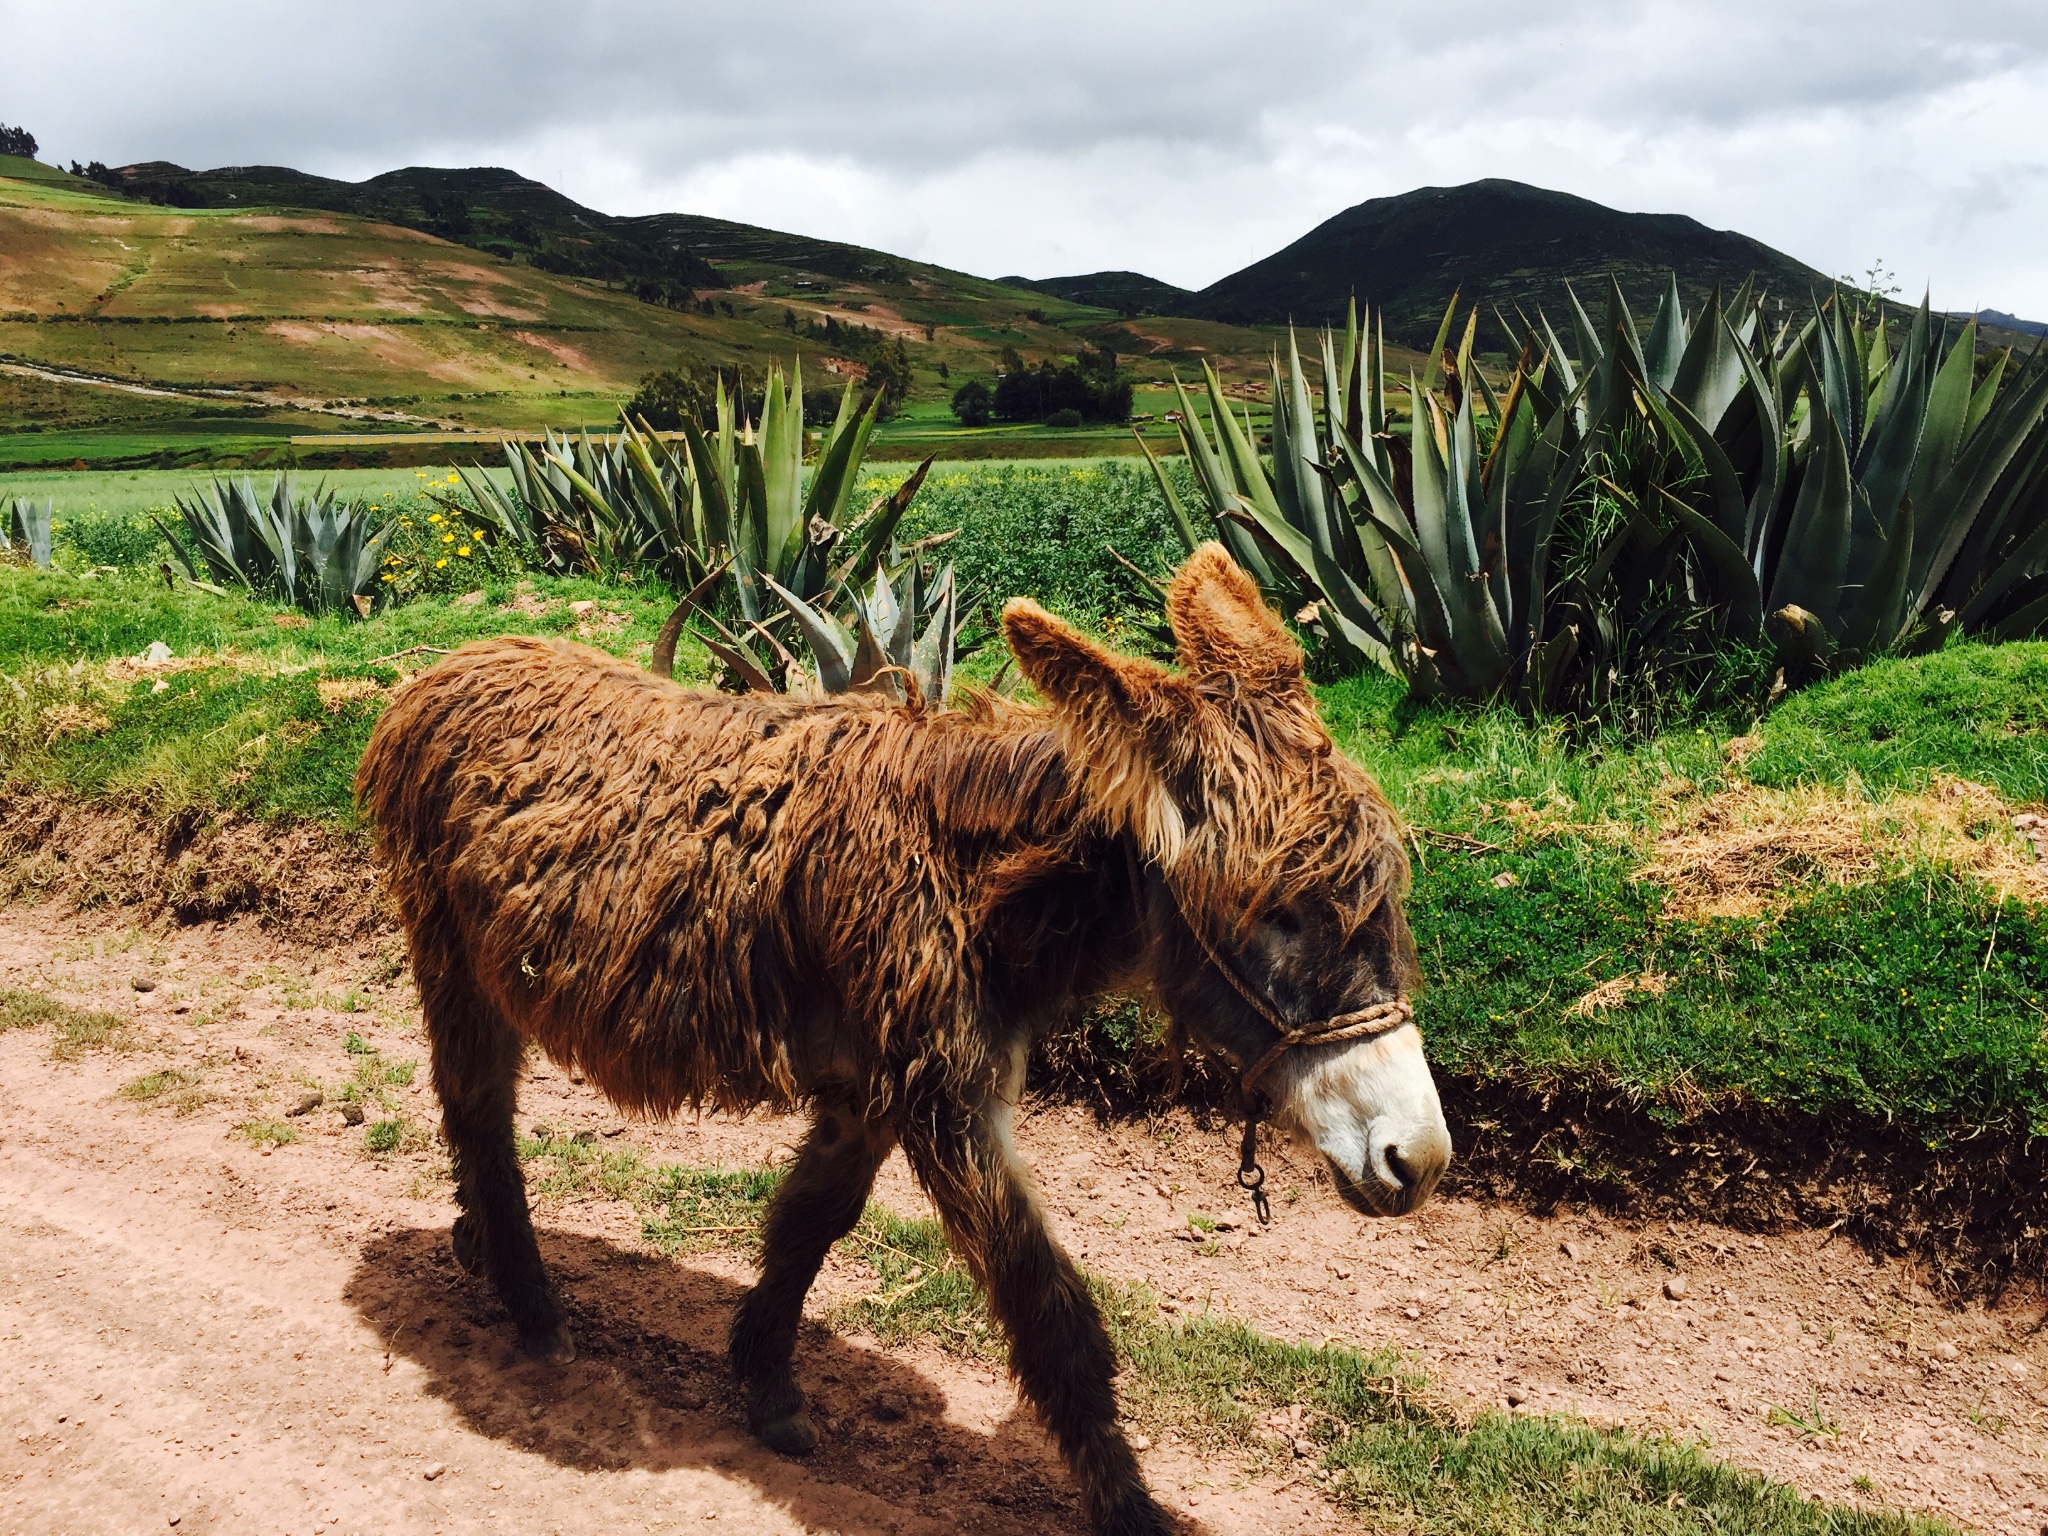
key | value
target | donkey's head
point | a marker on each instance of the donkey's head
(1275, 869)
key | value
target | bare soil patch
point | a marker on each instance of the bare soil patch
(311, 880)
(278, 1339)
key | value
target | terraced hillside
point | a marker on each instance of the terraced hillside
(281, 309)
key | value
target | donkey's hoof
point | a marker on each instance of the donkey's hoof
(790, 1435)
(554, 1347)
(469, 1253)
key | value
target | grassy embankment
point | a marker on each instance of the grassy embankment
(1818, 936)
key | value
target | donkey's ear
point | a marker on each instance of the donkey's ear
(1221, 624)
(1117, 714)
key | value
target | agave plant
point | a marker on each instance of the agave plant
(901, 638)
(730, 515)
(1852, 496)
(317, 551)
(1630, 512)
(1425, 556)
(25, 532)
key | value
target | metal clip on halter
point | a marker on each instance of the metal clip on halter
(1250, 1176)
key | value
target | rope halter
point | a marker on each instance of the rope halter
(1365, 1023)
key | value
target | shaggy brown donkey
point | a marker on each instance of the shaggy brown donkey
(870, 910)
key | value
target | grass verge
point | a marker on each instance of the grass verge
(76, 1031)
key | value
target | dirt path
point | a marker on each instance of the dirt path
(203, 396)
(193, 1328)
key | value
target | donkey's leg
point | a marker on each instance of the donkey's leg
(819, 1202)
(1059, 1350)
(476, 1073)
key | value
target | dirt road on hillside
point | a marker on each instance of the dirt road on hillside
(201, 1335)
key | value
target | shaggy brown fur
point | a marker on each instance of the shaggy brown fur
(870, 909)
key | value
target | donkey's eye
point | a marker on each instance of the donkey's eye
(1284, 920)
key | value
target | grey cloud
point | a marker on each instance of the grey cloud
(1184, 137)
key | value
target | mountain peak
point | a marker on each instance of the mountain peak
(1496, 243)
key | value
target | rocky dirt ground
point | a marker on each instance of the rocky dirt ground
(204, 1332)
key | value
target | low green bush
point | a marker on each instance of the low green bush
(111, 539)
(1046, 532)
(441, 547)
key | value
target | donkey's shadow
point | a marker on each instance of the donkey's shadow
(649, 1389)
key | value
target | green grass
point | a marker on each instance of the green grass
(581, 1166)
(692, 1209)
(21, 1009)
(246, 729)
(1382, 1441)
(1977, 711)
(134, 492)
(1890, 999)
(75, 1031)
(182, 1091)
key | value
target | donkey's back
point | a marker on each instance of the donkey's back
(674, 889)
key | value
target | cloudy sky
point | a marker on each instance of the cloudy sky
(1180, 138)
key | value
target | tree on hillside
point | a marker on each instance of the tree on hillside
(889, 374)
(17, 141)
(444, 215)
(668, 395)
(1093, 386)
(972, 403)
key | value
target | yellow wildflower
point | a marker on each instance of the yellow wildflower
(440, 562)
(387, 576)
(447, 538)
(464, 551)
(435, 518)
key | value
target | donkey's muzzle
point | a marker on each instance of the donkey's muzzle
(1403, 1174)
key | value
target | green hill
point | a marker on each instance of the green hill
(249, 297)
(1497, 243)
(1128, 293)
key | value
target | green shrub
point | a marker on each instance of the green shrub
(1065, 418)
(111, 538)
(1045, 532)
(383, 1135)
(441, 547)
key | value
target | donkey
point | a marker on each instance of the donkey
(868, 910)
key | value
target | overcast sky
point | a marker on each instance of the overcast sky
(1179, 138)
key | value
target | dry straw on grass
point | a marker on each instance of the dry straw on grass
(1618, 989)
(1746, 851)
(337, 693)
